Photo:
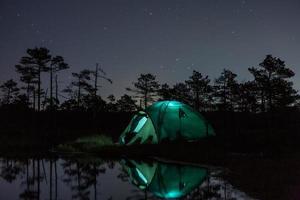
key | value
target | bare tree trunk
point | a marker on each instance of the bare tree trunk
(95, 97)
(197, 107)
(34, 98)
(96, 80)
(28, 94)
(146, 99)
(56, 88)
(78, 95)
(224, 96)
(39, 88)
(262, 102)
(8, 96)
(51, 88)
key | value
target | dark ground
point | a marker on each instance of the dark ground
(270, 133)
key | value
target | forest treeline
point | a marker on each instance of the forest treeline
(36, 111)
(270, 89)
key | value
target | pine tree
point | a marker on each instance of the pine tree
(145, 88)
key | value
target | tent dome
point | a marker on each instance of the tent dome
(166, 120)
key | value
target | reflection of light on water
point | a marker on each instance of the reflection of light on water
(172, 186)
(141, 176)
(173, 194)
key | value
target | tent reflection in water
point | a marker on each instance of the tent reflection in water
(164, 180)
(166, 120)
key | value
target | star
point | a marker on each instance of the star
(148, 12)
(105, 28)
(293, 38)
(18, 14)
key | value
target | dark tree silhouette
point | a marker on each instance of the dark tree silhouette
(93, 104)
(165, 92)
(182, 93)
(28, 75)
(57, 64)
(111, 105)
(145, 88)
(37, 59)
(81, 176)
(10, 169)
(126, 104)
(246, 97)
(70, 104)
(99, 73)
(225, 89)
(271, 79)
(201, 91)
(10, 90)
(81, 84)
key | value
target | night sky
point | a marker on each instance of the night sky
(168, 38)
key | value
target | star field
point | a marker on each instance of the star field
(168, 38)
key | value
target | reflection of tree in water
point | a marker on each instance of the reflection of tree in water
(28, 169)
(81, 176)
(31, 172)
(215, 187)
(52, 175)
(34, 170)
(10, 169)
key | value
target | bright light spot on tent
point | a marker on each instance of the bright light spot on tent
(173, 194)
(141, 176)
(140, 124)
(174, 103)
(142, 187)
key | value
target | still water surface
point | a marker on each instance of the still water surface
(65, 178)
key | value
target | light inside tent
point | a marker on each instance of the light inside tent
(141, 176)
(140, 125)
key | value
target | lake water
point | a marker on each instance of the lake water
(66, 178)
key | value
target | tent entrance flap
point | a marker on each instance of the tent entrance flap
(140, 130)
(140, 124)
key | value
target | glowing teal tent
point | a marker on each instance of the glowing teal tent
(166, 120)
(164, 180)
